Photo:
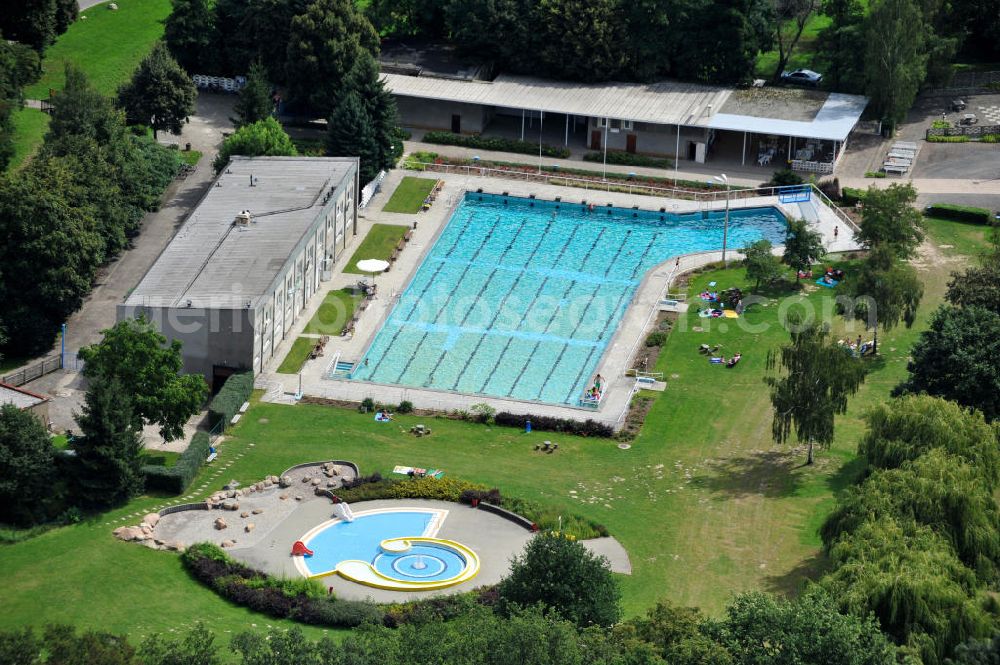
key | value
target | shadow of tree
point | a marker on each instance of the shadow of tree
(767, 473)
(793, 581)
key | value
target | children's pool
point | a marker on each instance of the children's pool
(518, 298)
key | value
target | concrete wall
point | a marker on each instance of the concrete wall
(434, 114)
(651, 139)
(209, 337)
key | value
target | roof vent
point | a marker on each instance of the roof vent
(243, 219)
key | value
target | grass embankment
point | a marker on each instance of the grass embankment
(703, 501)
(107, 46)
(297, 355)
(335, 311)
(30, 126)
(378, 244)
(409, 195)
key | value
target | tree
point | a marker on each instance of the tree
(818, 378)
(19, 66)
(760, 629)
(108, 461)
(889, 220)
(938, 490)
(958, 358)
(907, 427)
(67, 12)
(790, 20)
(910, 579)
(160, 94)
(761, 264)
(895, 57)
(20, 647)
(31, 22)
(676, 635)
(582, 41)
(262, 138)
(254, 102)
(380, 109)
(979, 286)
(350, 132)
(197, 647)
(563, 575)
(885, 291)
(189, 33)
(977, 652)
(27, 466)
(424, 18)
(803, 246)
(841, 45)
(722, 39)
(324, 43)
(49, 256)
(65, 647)
(135, 354)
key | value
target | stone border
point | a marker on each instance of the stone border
(508, 515)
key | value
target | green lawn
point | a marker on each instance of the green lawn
(107, 45)
(190, 157)
(409, 195)
(705, 504)
(378, 244)
(335, 311)
(957, 238)
(161, 457)
(297, 355)
(30, 126)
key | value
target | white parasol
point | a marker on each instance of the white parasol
(373, 266)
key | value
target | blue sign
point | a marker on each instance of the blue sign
(795, 194)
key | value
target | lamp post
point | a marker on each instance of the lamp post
(725, 229)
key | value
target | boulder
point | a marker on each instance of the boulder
(231, 485)
(333, 484)
(151, 544)
(250, 527)
(174, 546)
(228, 543)
(244, 514)
(133, 533)
(316, 482)
(220, 523)
(285, 481)
(145, 528)
(259, 486)
(230, 504)
(267, 483)
(151, 519)
(307, 479)
(113, 6)
(231, 494)
(283, 496)
(257, 511)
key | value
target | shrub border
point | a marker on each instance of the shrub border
(178, 478)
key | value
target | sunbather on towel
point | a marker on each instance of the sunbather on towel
(735, 359)
(717, 361)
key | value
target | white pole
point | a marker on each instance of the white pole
(541, 126)
(744, 148)
(566, 141)
(677, 153)
(725, 227)
(522, 124)
(607, 126)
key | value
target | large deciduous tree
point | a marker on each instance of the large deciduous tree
(761, 264)
(324, 43)
(812, 381)
(958, 358)
(189, 32)
(582, 41)
(136, 355)
(979, 286)
(27, 466)
(803, 246)
(262, 138)
(565, 576)
(895, 56)
(790, 20)
(160, 93)
(31, 22)
(885, 291)
(890, 220)
(108, 461)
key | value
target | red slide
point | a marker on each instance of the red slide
(300, 549)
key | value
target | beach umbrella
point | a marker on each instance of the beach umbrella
(373, 266)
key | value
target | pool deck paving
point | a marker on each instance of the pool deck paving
(621, 352)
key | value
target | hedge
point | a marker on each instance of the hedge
(960, 213)
(850, 196)
(549, 424)
(176, 479)
(494, 143)
(300, 599)
(235, 391)
(546, 517)
(629, 159)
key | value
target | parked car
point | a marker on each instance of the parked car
(802, 77)
(957, 105)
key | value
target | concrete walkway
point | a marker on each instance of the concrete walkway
(613, 551)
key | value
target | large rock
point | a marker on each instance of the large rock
(307, 479)
(285, 481)
(257, 511)
(317, 482)
(283, 496)
(228, 543)
(151, 519)
(231, 504)
(220, 523)
(250, 527)
(244, 514)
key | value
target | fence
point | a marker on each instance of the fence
(964, 130)
(968, 83)
(32, 372)
(737, 197)
(372, 188)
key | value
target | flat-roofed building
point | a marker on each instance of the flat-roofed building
(248, 258)
(34, 403)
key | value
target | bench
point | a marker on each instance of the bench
(211, 458)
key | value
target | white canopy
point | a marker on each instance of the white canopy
(372, 265)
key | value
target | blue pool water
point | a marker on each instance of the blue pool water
(424, 562)
(360, 539)
(519, 298)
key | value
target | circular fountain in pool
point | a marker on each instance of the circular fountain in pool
(389, 549)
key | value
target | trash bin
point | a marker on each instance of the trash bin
(187, 147)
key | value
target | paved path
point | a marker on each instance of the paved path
(119, 277)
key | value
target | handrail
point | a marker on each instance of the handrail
(332, 365)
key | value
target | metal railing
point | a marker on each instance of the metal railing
(32, 372)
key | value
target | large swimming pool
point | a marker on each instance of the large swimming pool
(518, 298)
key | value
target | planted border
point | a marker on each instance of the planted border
(588, 427)
(494, 143)
(960, 213)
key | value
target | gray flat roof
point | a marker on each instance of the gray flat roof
(22, 399)
(809, 114)
(213, 263)
(663, 102)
